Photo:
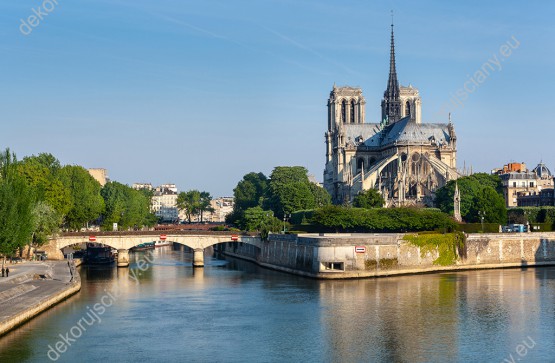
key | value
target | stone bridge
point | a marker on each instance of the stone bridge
(123, 241)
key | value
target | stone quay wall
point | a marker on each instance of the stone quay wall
(339, 256)
(31, 301)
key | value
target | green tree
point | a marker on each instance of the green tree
(488, 202)
(189, 202)
(87, 203)
(126, 206)
(204, 204)
(137, 209)
(368, 199)
(263, 221)
(472, 191)
(321, 195)
(47, 160)
(16, 206)
(289, 190)
(249, 191)
(235, 216)
(489, 180)
(46, 224)
(114, 203)
(151, 219)
(41, 174)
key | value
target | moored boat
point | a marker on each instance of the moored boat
(143, 247)
(99, 256)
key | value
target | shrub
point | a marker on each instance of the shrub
(477, 228)
(302, 216)
(521, 215)
(219, 228)
(382, 219)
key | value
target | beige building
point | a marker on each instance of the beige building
(222, 207)
(100, 175)
(139, 186)
(519, 182)
(401, 157)
(164, 201)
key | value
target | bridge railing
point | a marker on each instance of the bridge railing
(157, 233)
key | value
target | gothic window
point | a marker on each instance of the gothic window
(415, 163)
(353, 112)
(407, 109)
(343, 111)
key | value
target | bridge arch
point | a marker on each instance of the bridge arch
(124, 242)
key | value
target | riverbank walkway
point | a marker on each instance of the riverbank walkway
(33, 287)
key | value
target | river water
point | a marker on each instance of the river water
(163, 310)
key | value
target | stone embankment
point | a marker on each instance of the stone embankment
(340, 256)
(33, 288)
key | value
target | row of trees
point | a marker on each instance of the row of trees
(261, 203)
(17, 207)
(127, 207)
(38, 196)
(194, 202)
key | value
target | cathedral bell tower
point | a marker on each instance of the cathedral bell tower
(345, 110)
(391, 103)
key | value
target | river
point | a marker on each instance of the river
(163, 310)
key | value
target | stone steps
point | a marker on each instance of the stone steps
(16, 291)
(19, 278)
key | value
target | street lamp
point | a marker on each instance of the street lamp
(286, 217)
(482, 215)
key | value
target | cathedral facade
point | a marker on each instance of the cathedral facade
(401, 157)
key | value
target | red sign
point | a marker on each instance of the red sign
(92, 238)
(360, 249)
(234, 237)
(163, 237)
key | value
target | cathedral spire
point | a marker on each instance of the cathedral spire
(392, 84)
(391, 104)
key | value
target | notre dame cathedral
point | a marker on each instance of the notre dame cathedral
(401, 157)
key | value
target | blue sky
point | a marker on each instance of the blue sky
(199, 93)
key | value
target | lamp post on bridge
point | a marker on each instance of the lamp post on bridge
(286, 217)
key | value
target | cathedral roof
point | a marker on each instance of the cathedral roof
(407, 131)
(355, 132)
(404, 131)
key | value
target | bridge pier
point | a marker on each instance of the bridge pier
(198, 257)
(123, 258)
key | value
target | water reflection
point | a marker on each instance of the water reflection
(442, 317)
(234, 311)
